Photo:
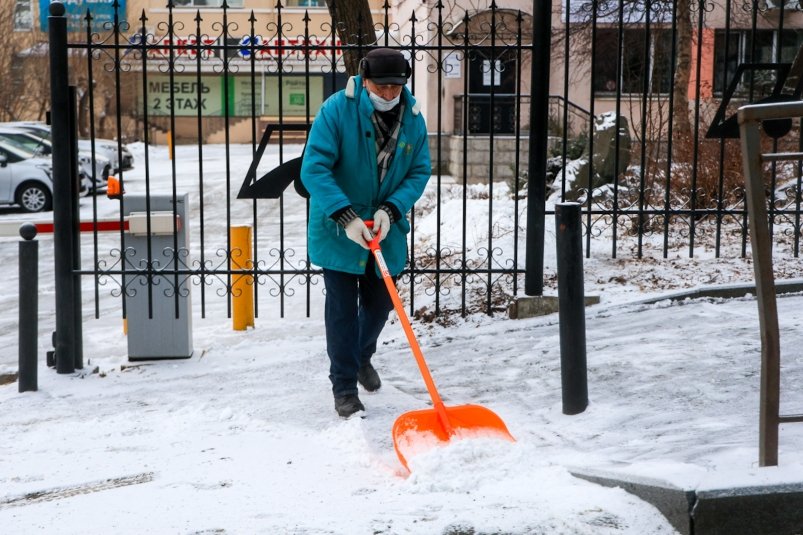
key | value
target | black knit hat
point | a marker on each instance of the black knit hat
(385, 66)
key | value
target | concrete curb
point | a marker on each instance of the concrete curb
(673, 502)
(528, 307)
(725, 291)
(772, 509)
(541, 305)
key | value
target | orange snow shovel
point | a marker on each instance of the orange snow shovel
(418, 431)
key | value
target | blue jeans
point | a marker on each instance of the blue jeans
(357, 307)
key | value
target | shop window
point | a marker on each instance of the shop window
(656, 64)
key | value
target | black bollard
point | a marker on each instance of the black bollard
(571, 302)
(28, 307)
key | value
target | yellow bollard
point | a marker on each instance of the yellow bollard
(170, 144)
(242, 288)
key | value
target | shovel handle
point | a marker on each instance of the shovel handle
(437, 402)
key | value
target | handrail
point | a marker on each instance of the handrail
(769, 110)
(571, 104)
(750, 118)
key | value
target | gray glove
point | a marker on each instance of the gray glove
(381, 224)
(358, 232)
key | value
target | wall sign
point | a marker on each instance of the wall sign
(102, 12)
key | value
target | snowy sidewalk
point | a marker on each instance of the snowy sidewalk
(243, 438)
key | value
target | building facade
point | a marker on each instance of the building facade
(195, 66)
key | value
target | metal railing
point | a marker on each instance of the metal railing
(754, 159)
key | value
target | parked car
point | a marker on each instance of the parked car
(25, 179)
(38, 144)
(105, 147)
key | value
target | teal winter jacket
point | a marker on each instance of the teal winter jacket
(339, 169)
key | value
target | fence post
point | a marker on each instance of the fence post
(571, 311)
(28, 308)
(62, 190)
(539, 132)
(75, 216)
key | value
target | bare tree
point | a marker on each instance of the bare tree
(25, 91)
(355, 27)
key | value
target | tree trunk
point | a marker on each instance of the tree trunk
(83, 111)
(355, 27)
(681, 121)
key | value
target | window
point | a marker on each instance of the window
(787, 4)
(26, 141)
(791, 41)
(305, 3)
(207, 3)
(23, 16)
(656, 64)
(760, 46)
(725, 61)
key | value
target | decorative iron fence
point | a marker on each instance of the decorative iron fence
(210, 80)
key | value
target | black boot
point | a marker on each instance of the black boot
(347, 405)
(368, 378)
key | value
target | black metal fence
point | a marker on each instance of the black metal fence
(660, 74)
(683, 69)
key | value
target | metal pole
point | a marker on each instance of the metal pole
(62, 190)
(539, 130)
(28, 308)
(571, 311)
(75, 212)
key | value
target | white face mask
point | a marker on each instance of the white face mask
(380, 104)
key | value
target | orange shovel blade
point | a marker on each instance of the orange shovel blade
(419, 431)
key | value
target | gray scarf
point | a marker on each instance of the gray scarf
(387, 136)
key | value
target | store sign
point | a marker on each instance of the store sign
(183, 47)
(185, 96)
(289, 50)
(101, 11)
(246, 100)
(294, 95)
(452, 66)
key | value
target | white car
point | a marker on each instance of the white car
(104, 147)
(108, 149)
(37, 144)
(25, 180)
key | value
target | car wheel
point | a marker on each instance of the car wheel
(86, 189)
(33, 197)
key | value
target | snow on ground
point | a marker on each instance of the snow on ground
(243, 438)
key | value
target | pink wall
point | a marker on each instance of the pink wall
(706, 53)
